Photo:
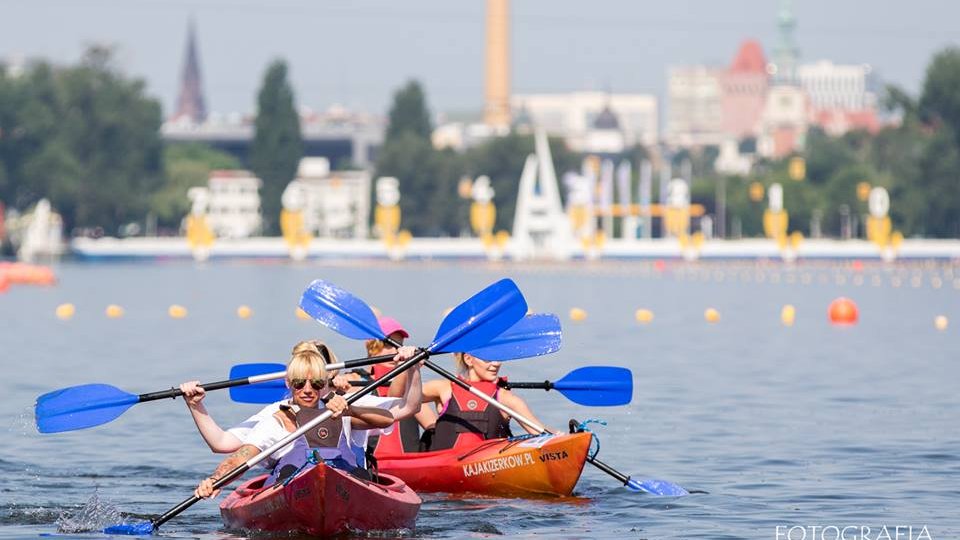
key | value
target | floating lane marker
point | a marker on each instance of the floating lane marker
(941, 322)
(643, 316)
(65, 311)
(244, 312)
(787, 315)
(177, 311)
(114, 311)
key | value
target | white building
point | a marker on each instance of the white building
(695, 114)
(336, 204)
(231, 202)
(832, 86)
(574, 115)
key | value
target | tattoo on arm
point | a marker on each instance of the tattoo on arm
(243, 454)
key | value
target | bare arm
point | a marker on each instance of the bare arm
(369, 417)
(234, 460)
(217, 439)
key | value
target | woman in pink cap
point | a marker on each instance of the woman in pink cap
(407, 437)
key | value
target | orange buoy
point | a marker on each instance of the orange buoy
(857, 265)
(843, 311)
(659, 265)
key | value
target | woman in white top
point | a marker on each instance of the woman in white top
(226, 441)
(307, 380)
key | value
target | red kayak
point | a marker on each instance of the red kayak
(322, 501)
(543, 466)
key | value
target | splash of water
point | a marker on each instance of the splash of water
(94, 515)
(23, 423)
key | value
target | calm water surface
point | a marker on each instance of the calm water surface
(809, 425)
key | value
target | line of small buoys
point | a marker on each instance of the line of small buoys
(25, 274)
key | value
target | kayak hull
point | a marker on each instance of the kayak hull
(322, 501)
(544, 466)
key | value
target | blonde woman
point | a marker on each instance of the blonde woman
(309, 384)
(464, 418)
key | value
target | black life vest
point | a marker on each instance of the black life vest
(326, 434)
(468, 418)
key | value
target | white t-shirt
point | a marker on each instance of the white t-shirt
(263, 430)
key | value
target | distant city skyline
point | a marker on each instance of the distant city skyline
(358, 54)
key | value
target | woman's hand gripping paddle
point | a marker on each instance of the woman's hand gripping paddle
(471, 324)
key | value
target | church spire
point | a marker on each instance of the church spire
(190, 103)
(786, 53)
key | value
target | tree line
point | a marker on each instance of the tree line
(88, 138)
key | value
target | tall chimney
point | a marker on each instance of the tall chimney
(496, 110)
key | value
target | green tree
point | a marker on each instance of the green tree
(278, 143)
(409, 113)
(186, 166)
(940, 100)
(86, 137)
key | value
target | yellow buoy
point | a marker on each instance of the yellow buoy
(244, 312)
(941, 322)
(65, 311)
(577, 314)
(788, 314)
(177, 312)
(114, 311)
(711, 315)
(302, 315)
(643, 316)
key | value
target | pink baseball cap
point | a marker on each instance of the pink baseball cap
(390, 325)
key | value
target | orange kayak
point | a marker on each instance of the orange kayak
(542, 466)
(322, 501)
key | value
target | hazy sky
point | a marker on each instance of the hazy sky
(357, 53)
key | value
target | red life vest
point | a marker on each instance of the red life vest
(405, 436)
(467, 418)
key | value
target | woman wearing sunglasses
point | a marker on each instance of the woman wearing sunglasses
(310, 386)
(223, 441)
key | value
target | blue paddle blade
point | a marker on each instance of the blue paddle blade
(480, 319)
(80, 407)
(533, 335)
(131, 529)
(597, 386)
(262, 392)
(340, 311)
(661, 488)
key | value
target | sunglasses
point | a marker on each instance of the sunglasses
(316, 384)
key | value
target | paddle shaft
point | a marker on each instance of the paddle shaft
(520, 418)
(219, 385)
(252, 462)
(507, 385)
